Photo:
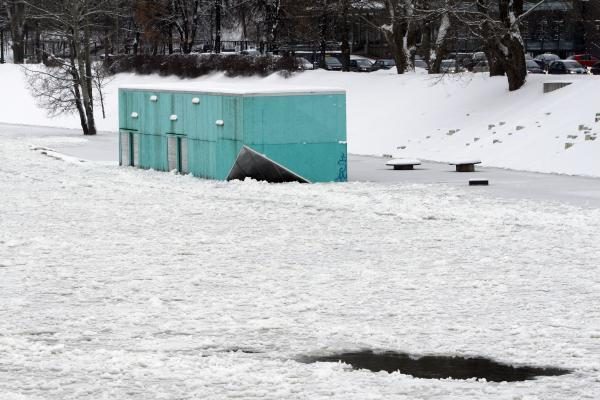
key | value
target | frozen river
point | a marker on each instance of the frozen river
(507, 184)
(120, 283)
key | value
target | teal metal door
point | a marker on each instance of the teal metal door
(177, 154)
(129, 145)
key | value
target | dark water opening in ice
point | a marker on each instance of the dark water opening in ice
(437, 367)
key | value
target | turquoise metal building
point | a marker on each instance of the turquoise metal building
(285, 135)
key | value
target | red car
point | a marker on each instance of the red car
(587, 60)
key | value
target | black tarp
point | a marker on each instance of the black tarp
(251, 164)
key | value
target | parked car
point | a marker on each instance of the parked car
(479, 56)
(361, 65)
(463, 60)
(251, 52)
(481, 66)
(450, 66)
(533, 67)
(387, 63)
(421, 64)
(566, 67)
(332, 64)
(595, 70)
(587, 60)
(304, 64)
(545, 59)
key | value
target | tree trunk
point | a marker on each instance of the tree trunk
(1, 45)
(441, 44)
(77, 92)
(512, 44)
(274, 25)
(89, 85)
(217, 26)
(136, 42)
(244, 24)
(425, 50)
(16, 16)
(37, 43)
(395, 39)
(504, 45)
(323, 34)
(495, 63)
(83, 79)
(516, 70)
(345, 36)
(396, 31)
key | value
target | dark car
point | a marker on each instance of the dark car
(304, 64)
(332, 64)
(544, 60)
(450, 66)
(587, 60)
(361, 65)
(595, 70)
(566, 67)
(384, 64)
(533, 67)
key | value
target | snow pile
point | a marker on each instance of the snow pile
(415, 115)
(120, 283)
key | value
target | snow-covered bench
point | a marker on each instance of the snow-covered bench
(403, 163)
(465, 165)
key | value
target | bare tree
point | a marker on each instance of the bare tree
(186, 18)
(497, 24)
(100, 78)
(271, 16)
(152, 18)
(75, 20)
(399, 15)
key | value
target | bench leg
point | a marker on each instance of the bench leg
(465, 168)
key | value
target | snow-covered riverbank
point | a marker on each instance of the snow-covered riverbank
(415, 115)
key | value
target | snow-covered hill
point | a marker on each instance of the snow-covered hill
(415, 115)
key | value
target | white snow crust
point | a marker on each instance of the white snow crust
(403, 161)
(118, 283)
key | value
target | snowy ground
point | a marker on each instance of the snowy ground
(120, 283)
(414, 115)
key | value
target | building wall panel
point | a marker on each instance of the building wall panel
(304, 133)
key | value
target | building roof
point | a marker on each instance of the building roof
(257, 89)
